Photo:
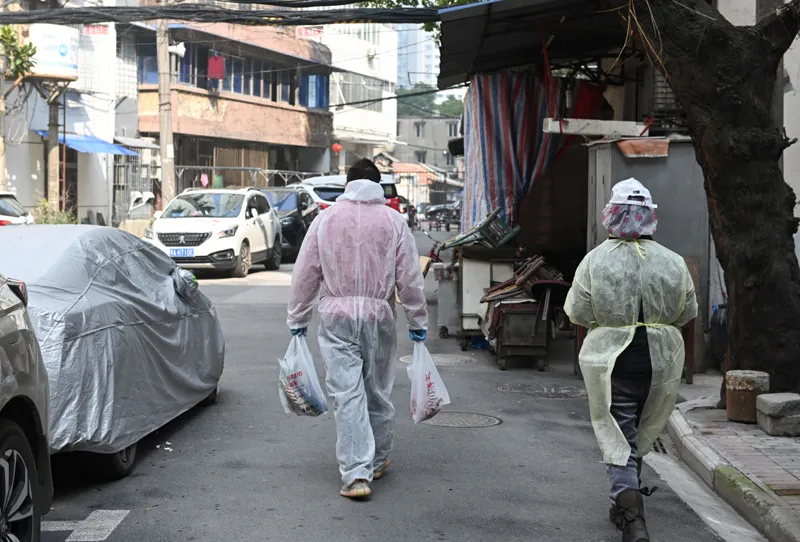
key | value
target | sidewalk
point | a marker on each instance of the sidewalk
(757, 474)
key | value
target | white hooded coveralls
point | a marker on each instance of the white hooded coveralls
(356, 254)
(610, 285)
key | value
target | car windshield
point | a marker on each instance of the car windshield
(389, 191)
(282, 200)
(329, 193)
(9, 206)
(215, 205)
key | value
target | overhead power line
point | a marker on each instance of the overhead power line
(396, 97)
(214, 14)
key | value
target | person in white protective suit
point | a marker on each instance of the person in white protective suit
(356, 255)
(633, 296)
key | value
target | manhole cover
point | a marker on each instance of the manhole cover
(544, 392)
(443, 360)
(462, 419)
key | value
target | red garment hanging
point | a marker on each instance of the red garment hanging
(216, 68)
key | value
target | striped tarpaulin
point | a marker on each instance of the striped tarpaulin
(505, 150)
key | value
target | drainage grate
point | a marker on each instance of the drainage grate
(443, 360)
(544, 392)
(658, 447)
(462, 419)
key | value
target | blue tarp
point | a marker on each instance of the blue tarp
(90, 144)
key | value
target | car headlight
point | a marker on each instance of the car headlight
(148, 233)
(286, 221)
(230, 232)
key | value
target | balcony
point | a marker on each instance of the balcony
(201, 113)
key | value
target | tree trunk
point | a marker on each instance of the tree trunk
(724, 77)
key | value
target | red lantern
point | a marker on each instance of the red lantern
(336, 148)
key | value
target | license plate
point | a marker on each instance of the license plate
(181, 253)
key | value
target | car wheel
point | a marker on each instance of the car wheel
(119, 465)
(20, 517)
(242, 262)
(273, 262)
(211, 399)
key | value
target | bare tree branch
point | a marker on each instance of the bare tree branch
(780, 28)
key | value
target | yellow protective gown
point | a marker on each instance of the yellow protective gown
(605, 297)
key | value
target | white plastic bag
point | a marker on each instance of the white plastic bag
(428, 394)
(298, 384)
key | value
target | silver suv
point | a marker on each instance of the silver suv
(24, 395)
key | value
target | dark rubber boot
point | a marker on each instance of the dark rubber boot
(629, 512)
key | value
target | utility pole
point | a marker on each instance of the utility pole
(165, 113)
(53, 188)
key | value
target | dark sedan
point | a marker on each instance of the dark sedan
(296, 210)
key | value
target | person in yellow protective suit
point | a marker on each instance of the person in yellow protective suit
(356, 254)
(633, 295)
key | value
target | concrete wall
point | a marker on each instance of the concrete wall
(436, 134)
(233, 116)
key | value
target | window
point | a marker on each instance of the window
(420, 156)
(358, 88)
(452, 129)
(314, 91)
(237, 75)
(285, 77)
(257, 78)
(252, 206)
(262, 204)
(419, 129)
(451, 160)
(148, 64)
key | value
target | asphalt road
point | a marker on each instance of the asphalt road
(242, 470)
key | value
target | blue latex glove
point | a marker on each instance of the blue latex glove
(417, 335)
(302, 331)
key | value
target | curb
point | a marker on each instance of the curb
(778, 523)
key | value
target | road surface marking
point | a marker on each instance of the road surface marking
(96, 528)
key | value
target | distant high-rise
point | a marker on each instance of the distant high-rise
(417, 57)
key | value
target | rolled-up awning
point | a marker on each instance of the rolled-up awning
(89, 144)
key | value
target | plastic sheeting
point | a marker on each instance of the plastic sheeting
(128, 340)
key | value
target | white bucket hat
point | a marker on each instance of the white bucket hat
(624, 191)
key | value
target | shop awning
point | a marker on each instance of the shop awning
(136, 143)
(500, 34)
(89, 144)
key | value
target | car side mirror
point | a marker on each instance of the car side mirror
(158, 214)
(303, 205)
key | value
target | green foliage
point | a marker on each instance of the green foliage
(451, 107)
(19, 58)
(44, 214)
(416, 106)
(430, 27)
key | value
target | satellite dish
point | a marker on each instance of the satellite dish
(179, 49)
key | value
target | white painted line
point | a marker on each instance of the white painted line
(60, 526)
(98, 526)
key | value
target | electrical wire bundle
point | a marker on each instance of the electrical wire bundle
(207, 13)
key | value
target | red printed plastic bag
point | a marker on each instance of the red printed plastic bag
(298, 384)
(428, 394)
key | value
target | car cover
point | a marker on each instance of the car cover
(128, 340)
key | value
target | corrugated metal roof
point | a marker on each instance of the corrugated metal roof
(500, 34)
(89, 144)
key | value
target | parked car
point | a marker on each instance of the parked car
(12, 213)
(27, 490)
(219, 229)
(447, 214)
(329, 187)
(296, 210)
(128, 340)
